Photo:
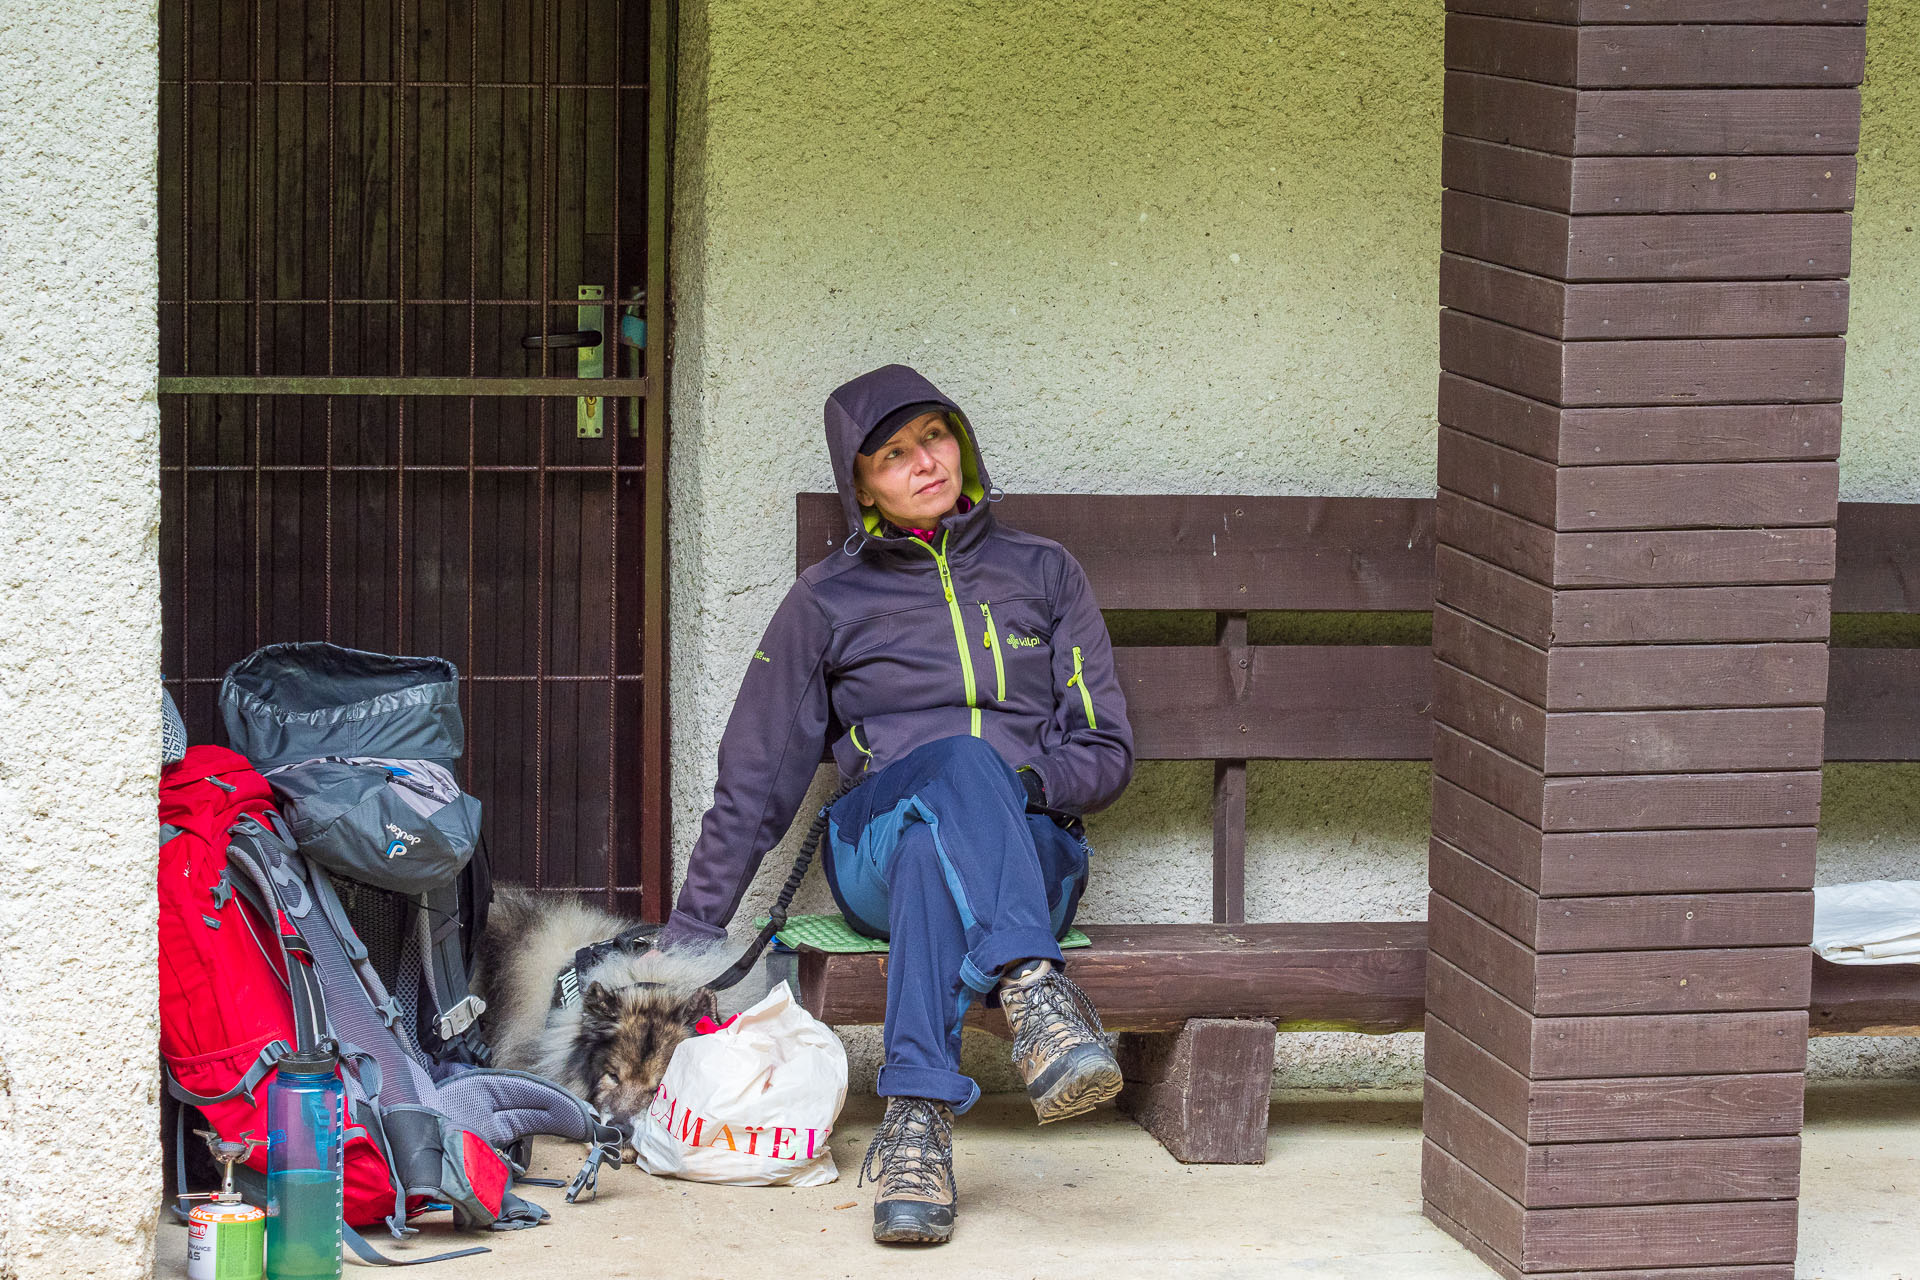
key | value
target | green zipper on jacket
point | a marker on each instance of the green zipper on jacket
(992, 641)
(959, 627)
(1086, 699)
(860, 746)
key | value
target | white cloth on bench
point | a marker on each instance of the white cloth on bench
(1873, 922)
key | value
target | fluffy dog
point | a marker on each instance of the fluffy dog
(634, 1011)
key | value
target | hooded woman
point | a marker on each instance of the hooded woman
(963, 676)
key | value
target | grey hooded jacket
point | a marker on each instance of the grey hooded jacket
(889, 644)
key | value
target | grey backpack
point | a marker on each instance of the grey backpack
(359, 749)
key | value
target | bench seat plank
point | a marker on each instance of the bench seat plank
(1865, 999)
(1366, 976)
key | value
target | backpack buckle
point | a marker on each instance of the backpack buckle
(459, 1018)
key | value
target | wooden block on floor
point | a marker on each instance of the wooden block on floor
(1203, 1090)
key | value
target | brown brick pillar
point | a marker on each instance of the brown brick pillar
(1645, 243)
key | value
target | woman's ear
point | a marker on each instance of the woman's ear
(861, 494)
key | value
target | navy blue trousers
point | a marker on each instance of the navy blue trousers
(938, 854)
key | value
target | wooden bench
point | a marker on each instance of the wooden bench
(1199, 1001)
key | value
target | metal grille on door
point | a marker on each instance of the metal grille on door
(412, 324)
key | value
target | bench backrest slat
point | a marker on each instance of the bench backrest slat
(1178, 552)
(1278, 702)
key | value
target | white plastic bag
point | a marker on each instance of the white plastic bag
(751, 1105)
(1874, 922)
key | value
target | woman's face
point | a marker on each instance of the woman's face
(914, 478)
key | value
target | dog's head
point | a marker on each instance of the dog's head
(627, 1037)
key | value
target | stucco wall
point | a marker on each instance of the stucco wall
(1152, 249)
(79, 639)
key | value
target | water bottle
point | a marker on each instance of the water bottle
(305, 1136)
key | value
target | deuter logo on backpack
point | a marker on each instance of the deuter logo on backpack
(402, 840)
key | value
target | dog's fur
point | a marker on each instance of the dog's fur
(635, 1009)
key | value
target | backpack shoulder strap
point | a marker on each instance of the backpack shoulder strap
(456, 1010)
(248, 852)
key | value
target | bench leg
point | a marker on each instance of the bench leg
(1202, 1090)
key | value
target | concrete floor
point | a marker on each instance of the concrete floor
(1096, 1199)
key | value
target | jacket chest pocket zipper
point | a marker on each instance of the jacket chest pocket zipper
(992, 641)
(1079, 679)
(959, 635)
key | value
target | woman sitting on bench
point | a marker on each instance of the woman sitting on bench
(964, 675)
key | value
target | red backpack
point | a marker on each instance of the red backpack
(226, 1007)
(257, 957)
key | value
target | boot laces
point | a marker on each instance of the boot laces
(912, 1151)
(1058, 1016)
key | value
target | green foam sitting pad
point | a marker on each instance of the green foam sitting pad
(832, 933)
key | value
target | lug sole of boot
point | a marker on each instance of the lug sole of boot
(912, 1222)
(1075, 1085)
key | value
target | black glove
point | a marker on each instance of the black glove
(1035, 785)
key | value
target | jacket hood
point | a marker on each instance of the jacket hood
(857, 407)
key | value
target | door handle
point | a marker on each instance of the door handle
(586, 343)
(556, 341)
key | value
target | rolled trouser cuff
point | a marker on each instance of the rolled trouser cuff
(934, 1083)
(981, 967)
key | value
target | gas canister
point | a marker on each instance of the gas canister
(226, 1240)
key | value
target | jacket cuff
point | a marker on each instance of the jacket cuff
(682, 929)
(1035, 784)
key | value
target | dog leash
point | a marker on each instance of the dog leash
(777, 918)
(567, 991)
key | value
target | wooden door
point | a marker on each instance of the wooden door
(368, 210)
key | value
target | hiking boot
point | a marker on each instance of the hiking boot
(913, 1197)
(1058, 1042)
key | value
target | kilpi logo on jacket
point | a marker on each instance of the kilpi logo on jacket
(1023, 642)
